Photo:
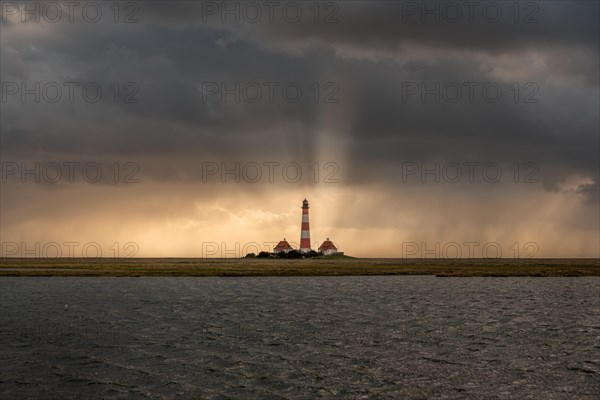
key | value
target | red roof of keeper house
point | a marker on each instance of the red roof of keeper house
(327, 245)
(283, 245)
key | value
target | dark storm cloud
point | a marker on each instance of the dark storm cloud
(370, 53)
(170, 68)
(385, 26)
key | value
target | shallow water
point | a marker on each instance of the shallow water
(300, 337)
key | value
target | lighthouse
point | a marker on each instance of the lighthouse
(305, 230)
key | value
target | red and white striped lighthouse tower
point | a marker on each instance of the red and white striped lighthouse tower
(305, 231)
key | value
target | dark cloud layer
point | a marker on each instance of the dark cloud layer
(370, 55)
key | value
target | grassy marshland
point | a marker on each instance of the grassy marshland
(328, 266)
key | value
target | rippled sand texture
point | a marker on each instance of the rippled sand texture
(300, 338)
